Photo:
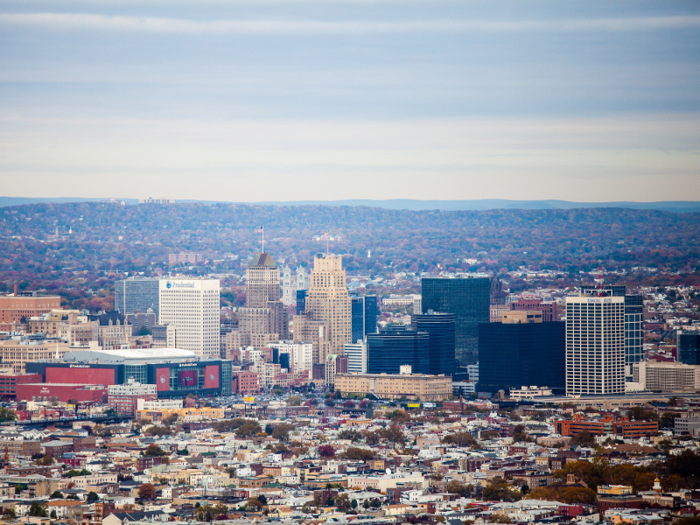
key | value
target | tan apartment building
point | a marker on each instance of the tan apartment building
(327, 300)
(390, 386)
(19, 353)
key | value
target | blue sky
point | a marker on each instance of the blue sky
(299, 100)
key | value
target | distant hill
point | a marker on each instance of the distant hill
(418, 205)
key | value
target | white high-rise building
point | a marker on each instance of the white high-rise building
(301, 353)
(192, 306)
(595, 345)
(357, 357)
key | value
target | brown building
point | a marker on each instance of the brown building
(19, 353)
(316, 332)
(15, 307)
(412, 386)
(262, 281)
(620, 426)
(185, 258)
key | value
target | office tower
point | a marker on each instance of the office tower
(335, 364)
(316, 332)
(301, 302)
(390, 349)
(192, 306)
(441, 329)
(536, 304)
(467, 297)
(688, 347)
(300, 354)
(293, 283)
(327, 300)
(595, 345)
(262, 281)
(279, 319)
(496, 294)
(634, 315)
(136, 294)
(364, 316)
(357, 357)
(417, 304)
(522, 350)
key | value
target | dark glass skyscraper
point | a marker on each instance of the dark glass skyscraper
(514, 355)
(389, 349)
(634, 315)
(441, 330)
(136, 295)
(688, 347)
(301, 301)
(468, 299)
(364, 316)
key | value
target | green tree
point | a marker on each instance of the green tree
(38, 510)
(293, 401)
(7, 415)
(461, 439)
(56, 494)
(92, 497)
(282, 431)
(583, 439)
(248, 429)
(501, 490)
(358, 454)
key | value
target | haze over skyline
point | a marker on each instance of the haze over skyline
(304, 100)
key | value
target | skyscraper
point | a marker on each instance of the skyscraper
(192, 306)
(468, 298)
(441, 331)
(519, 351)
(388, 350)
(327, 300)
(136, 294)
(688, 347)
(595, 344)
(357, 357)
(634, 315)
(364, 316)
(262, 281)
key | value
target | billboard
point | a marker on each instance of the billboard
(428, 405)
(413, 405)
(211, 376)
(162, 379)
(249, 400)
(187, 378)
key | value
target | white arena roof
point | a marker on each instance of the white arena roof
(145, 355)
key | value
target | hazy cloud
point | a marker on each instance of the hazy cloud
(307, 27)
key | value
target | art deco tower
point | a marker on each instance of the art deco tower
(327, 300)
(262, 281)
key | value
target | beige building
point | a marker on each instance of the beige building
(114, 335)
(315, 332)
(388, 386)
(327, 300)
(262, 281)
(18, 354)
(666, 377)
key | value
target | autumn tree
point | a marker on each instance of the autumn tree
(147, 491)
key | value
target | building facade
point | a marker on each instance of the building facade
(357, 357)
(124, 398)
(395, 386)
(137, 294)
(192, 306)
(468, 298)
(389, 350)
(513, 354)
(327, 300)
(441, 346)
(17, 306)
(595, 345)
(262, 281)
(365, 311)
(688, 347)
(664, 377)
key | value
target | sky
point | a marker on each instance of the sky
(262, 100)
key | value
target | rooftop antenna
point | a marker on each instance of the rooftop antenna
(261, 230)
(599, 284)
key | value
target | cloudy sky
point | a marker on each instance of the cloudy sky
(318, 100)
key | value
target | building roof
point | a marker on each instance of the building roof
(263, 259)
(147, 355)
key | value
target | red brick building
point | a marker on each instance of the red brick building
(246, 383)
(8, 384)
(60, 392)
(620, 426)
